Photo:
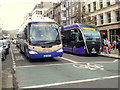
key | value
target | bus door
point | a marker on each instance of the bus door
(77, 42)
(67, 41)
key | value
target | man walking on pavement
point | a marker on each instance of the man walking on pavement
(118, 47)
(106, 43)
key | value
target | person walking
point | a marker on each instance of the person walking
(106, 43)
(118, 48)
(114, 44)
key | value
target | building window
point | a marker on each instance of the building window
(36, 12)
(118, 15)
(83, 9)
(51, 12)
(108, 2)
(88, 7)
(109, 17)
(116, 1)
(101, 4)
(94, 5)
(95, 20)
(64, 22)
(64, 13)
(40, 12)
(101, 19)
(64, 5)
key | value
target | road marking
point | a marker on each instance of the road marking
(90, 66)
(13, 59)
(19, 58)
(75, 61)
(115, 60)
(70, 60)
(15, 49)
(16, 52)
(41, 65)
(70, 82)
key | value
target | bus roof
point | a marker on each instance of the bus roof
(37, 19)
(77, 25)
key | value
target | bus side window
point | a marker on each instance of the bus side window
(67, 35)
(74, 35)
(25, 33)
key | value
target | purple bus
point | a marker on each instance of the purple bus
(81, 39)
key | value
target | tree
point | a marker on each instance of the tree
(82, 16)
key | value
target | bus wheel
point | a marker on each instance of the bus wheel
(25, 51)
(20, 49)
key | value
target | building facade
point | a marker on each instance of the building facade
(106, 15)
(72, 12)
(57, 12)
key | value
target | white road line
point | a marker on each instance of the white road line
(70, 82)
(15, 49)
(73, 61)
(41, 65)
(19, 58)
(68, 60)
(115, 60)
(13, 59)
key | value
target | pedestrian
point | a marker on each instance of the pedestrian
(118, 45)
(106, 43)
(114, 44)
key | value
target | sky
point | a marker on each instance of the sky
(12, 12)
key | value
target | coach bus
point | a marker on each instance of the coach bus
(81, 39)
(40, 38)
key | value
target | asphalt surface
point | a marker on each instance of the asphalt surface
(20, 68)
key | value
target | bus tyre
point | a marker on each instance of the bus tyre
(3, 57)
(25, 51)
(20, 49)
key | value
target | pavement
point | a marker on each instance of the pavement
(7, 80)
(113, 54)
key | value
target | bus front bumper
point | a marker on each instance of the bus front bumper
(38, 55)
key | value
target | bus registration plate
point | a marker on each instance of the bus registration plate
(47, 55)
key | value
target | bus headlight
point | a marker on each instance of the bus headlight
(32, 52)
(61, 50)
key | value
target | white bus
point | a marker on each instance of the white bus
(40, 38)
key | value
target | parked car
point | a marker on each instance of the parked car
(6, 46)
(2, 49)
(14, 41)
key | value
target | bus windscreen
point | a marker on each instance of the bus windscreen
(91, 33)
(43, 33)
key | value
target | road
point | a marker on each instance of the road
(69, 71)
